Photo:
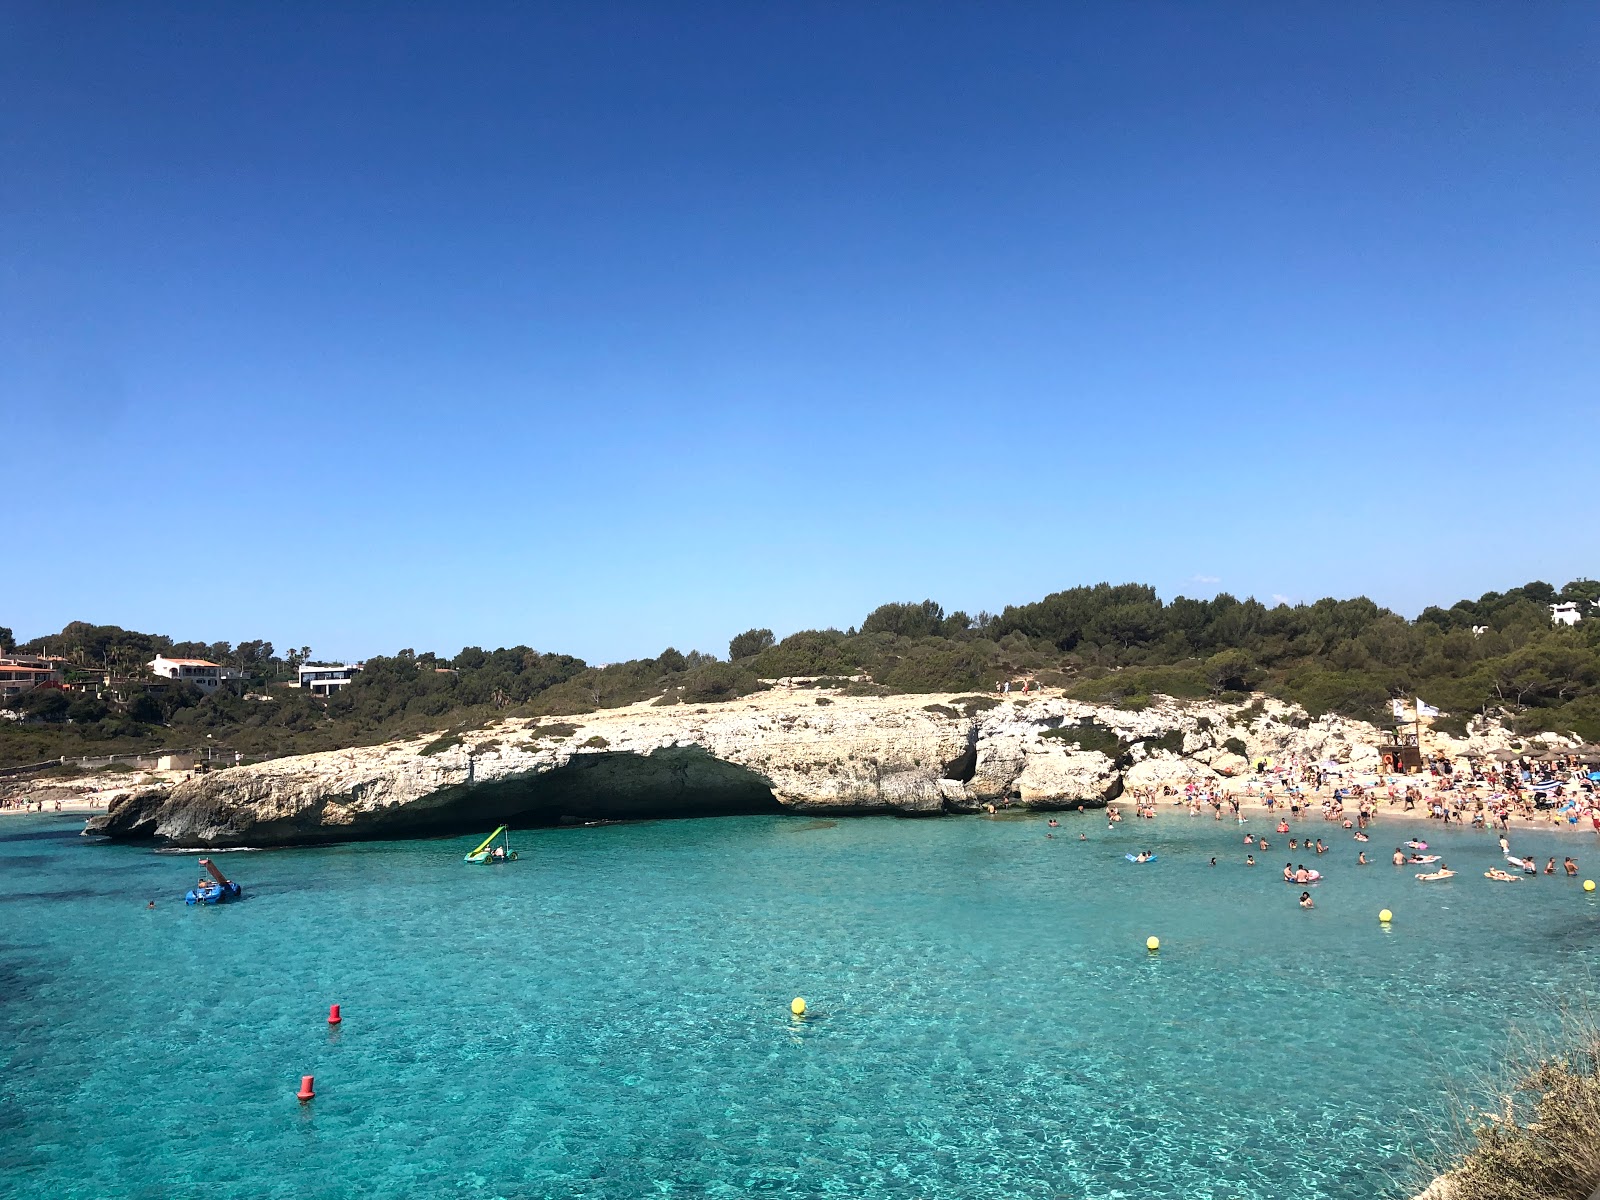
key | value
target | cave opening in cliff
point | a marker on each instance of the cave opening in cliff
(673, 782)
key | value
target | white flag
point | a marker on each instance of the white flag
(1399, 710)
(1425, 710)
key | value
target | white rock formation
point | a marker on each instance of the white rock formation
(792, 747)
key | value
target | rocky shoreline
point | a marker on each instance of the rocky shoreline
(792, 748)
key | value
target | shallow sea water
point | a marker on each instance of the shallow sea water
(608, 1017)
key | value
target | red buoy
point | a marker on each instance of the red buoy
(333, 1014)
(305, 1093)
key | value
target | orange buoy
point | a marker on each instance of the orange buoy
(306, 1092)
(333, 1014)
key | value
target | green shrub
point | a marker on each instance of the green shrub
(1089, 735)
(440, 744)
(1171, 741)
(1234, 746)
(716, 682)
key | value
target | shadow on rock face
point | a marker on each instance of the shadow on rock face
(676, 782)
(617, 786)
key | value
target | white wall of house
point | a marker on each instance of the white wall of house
(324, 680)
(1566, 614)
(207, 676)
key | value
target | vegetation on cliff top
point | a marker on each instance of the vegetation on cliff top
(1106, 644)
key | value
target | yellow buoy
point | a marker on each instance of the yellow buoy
(1386, 916)
(1152, 943)
(797, 1006)
(1588, 885)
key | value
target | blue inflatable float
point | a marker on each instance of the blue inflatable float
(1134, 858)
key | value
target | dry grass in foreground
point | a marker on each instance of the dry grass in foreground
(1545, 1143)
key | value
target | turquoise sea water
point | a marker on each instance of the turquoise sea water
(609, 1016)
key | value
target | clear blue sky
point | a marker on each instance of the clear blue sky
(604, 327)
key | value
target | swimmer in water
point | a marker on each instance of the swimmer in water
(1083, 837)
(1306, 901)
(1321, 849)
(1213, 860)
(1054, 822)
(1572, 867)
(152, 903)
(1293, 845)
(1288, 872)
(1550, 867)
(1264, 844)
(1361, 860)
(1399, 857)
(1249, 860)
(1248, 840)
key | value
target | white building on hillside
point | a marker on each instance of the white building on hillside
(324, 680)
(207, 676)
(1569, 613)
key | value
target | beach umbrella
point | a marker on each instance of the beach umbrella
(1503, 755)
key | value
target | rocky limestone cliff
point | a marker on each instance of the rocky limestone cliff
(792, 748)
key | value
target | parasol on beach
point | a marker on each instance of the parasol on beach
(1503, 755)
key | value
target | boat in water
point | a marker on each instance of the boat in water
(217, 890)
(487, 854)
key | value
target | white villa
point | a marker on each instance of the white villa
(207, 676)
(324, 679)
(1569, 613)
